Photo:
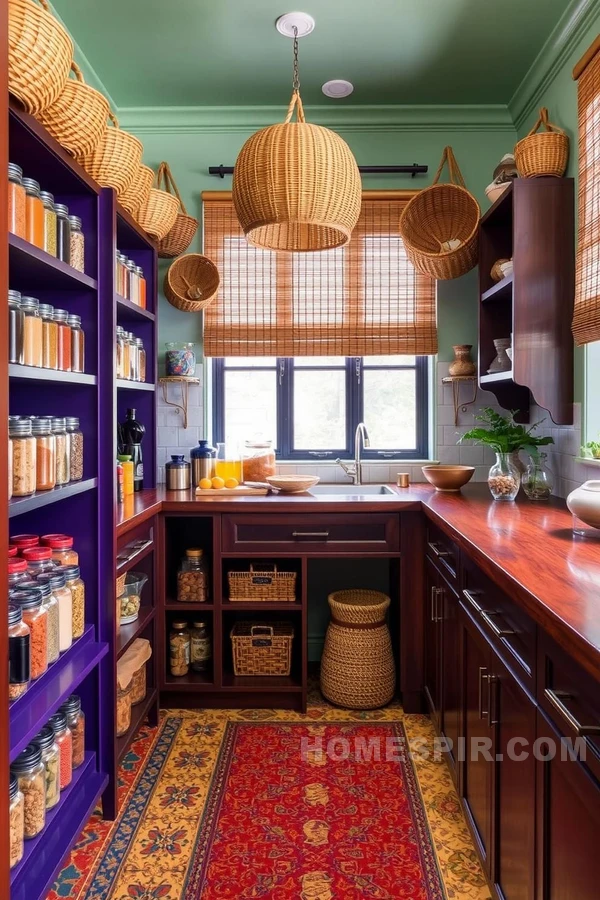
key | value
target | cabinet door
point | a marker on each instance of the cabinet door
(568, 810)
(477, 766)
(512, 716)
(450, 672)
(432, 613)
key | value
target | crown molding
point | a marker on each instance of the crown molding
(569, 30)
(244, 119)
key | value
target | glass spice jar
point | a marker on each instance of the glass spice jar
(32, 332)
(49, 337)
(142, 286)
(200, 646)
(126, 354)
(45, 740)
(179, 649)
(192, 578)
(17, 821)
(24, 457)
(61, 546)
(50, 604)
(77, 344)
(63, 233)
(77, 588)
(39, 560)
(45, 454)
(29, 771)
(19, 653)
(134, 284)
(77, 246)
(24, 541)
(15, 328)
(75, 448)
(16, 201)
(36, 618)
(141, 360)
(61, 317)
(49, 222)
(133, 357)
(17, 572)
(120, 351)
(64, 739)
(63, 461)
(124, 276)
(76, 722)
(58, 586)
(34, 213)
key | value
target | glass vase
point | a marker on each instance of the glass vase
(504, 478)
(538, 480)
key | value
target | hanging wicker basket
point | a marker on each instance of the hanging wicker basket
(116, 158)
(40, 53)
(77, 119)
(296, 186)
(136, 195)
(182, 233)
(157, 215)
(192, 282)
(440, 226)
(543, 153)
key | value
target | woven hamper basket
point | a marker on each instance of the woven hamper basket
(544, 153)
(262, 649)
(440, 226)
(115, 160)
(192, 282)
(40, 53)
(157, 215)
(357, 666)
(264, 585)
(133, 198)
(182, 233)
(77, 119)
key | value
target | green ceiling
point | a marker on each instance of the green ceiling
(227, 52)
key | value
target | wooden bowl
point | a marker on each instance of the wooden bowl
(293, 484)
(448, 478)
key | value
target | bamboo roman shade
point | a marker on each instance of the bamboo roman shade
(586, 318)
(363, 299)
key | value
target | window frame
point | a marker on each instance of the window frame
(284, 374)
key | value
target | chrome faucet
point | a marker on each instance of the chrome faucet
(354, 470)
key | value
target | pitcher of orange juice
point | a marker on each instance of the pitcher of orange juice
(228, 463)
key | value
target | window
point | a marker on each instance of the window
(310, 406)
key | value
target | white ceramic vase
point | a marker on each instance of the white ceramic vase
(584, 502)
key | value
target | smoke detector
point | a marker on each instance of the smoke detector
(302, 21)
(337, 88)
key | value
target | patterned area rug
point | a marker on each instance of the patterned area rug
(249, 804)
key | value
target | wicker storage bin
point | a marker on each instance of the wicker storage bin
(440, 226)
(138, 685)
(77, 119)
(40, 53)
(357, 666)
(123, 709)
(262, 585)
(157, 215)
(116, 158)
(133, 198)
(120, 584)
(192, 282)
(182, 233)
(546, 153)
(262, 649)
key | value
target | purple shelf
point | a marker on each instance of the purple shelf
(44, 854)
(129, 234)
(19, 505)
(31, 711)
(125, 385)
(31, 268)
(34, 373)
(131, 312)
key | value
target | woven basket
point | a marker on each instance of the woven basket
(192, 282)
(40, 53)
(157, 215)
(264, 585)
(116, 159)
(120, 584)
(262, 649)
(440, 226)
(138, 191)
(296, 186)
(546, 153)
(78, 118)
(357, 666)
(182, 233)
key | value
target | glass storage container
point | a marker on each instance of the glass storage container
(45, 740)
(200, 646)
(77, 588)
(76, 722)
(36, 619)
(24, 457)
(192, 578)
(134, 283)
(64, 739)
(538, 480)
(75, 448)
(15, 328)
(49, 337)
(179, 649)
(133, 357)
(142, 286)
(24, 541)
(504, 478)
(49, 222)
(50, 604)
(124, 277)
(45, 454)
(39, 560)
(77, 244)
(32, 332)
(63, 461)
(120, 352)
(17, 572)
(228, 463)
(16, 201)
(19, 653)
(77, 344)
(34, 213)
(259, 460)
(180, 358)
(30, 773)
(63, 233)
(17, 821)
(58, 586)
(141, 360)
(61, 317)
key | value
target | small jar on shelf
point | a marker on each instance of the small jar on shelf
(77, 244)
(76, 722)
(63, 233)
(50, 604)
(49, 222)
(77, 588)
(192, 578)
(45, 454)
(200, 646)
(46, 741)
(142, 286)
(15, 328)
(49, 337)
(24, 457)
(133, 358)
(134, 283)
(64, 739)
(19, 653)
(179, 649)
(63, 460)
(57, 584)
(75, 435)
(17, 572)
(77, 344)
(61, 317)
(39, 560)
(33, 354)
(29, 771)
(16, 821)
(16, 201)
(34, 213)
(24, 541)
(36, 619)
(141, 360)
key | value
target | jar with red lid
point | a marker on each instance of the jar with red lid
(39, 559)
(61, 546)
(24, 541)
(17, 571)
(12, 550)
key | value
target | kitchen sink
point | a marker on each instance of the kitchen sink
(352, 490)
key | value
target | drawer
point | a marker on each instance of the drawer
(133, 546)
(443, 551)
(510, 630)
(343, 533)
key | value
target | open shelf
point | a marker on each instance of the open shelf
(128, 633)
(125, 385)
(34, 373)
(193, 681)
(19, 505)
(262, 605)
(258, 683)
(31, 711)
(496, 377)
(501, 210)
(501, 290)
(138, 714)
(32, 268)
(135, 557)
(131, 312)
(45, 853)
(176, 606)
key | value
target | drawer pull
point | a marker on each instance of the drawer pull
(556, 698)
(492, 681)
(482, 675)
(441, 554)
(486, 615)
(470, 596)
(310, 534)
(435, 593)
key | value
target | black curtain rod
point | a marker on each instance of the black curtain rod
(413, 170)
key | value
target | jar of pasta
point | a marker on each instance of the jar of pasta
(16, 201)
(24, 457)
(34, 213)
(77, 344)
(76, 722)
(63, 461)
(15, 328)
(77, 588)
(36, 619)
(33, 354)
(29, 771)
(50, 604)
(45, 454)
(77, 244)
(61, 546)
(49, 222)
(17, 821)
(64, 739)
(19, 653)
(51, 758)
(49, 337)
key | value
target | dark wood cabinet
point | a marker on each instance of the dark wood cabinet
(433, 645)
(450, 674)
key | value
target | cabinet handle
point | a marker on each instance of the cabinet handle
(556, 699)
(486, 615)
(312, 534)
(483, 713)
(493, 682)
(470, 596)
(435, 593)
(441, 554)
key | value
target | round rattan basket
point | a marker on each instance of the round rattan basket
(157, 215)
(543, 153)
(40, 53)
(440, 226)
(116, 158)
(185, 227)
(138, 191)
(296, 186)
(77, 119)
(192, 282)
(357, 666)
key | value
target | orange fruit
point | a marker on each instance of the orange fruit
(205, 484)
(217, 483)
(231, 483)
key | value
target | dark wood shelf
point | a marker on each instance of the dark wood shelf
(19, 505)
(264, 605)
(176, 606)
(32, 269)
(138, 714)
(262, 683)
(33, 373)
(131, 312)
(128, 633)
(501, 210)
(134, 558)
(124, 385)
(501, 290)
(193, 681)
(496, 378)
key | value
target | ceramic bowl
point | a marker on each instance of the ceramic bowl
(493, 191)
(448, 478)
(293, 484)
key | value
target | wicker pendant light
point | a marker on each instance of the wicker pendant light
(296, 186)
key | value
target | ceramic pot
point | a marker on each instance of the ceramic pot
(462, 364)
(584, 502)
(501, 362)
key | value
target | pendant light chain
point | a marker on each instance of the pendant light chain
(296, 78)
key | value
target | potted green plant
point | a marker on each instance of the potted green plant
(506, 438)
(591, 450)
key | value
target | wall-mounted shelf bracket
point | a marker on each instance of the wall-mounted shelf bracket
(185, 381)
(456, 381)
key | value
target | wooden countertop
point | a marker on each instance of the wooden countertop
(528, 549)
